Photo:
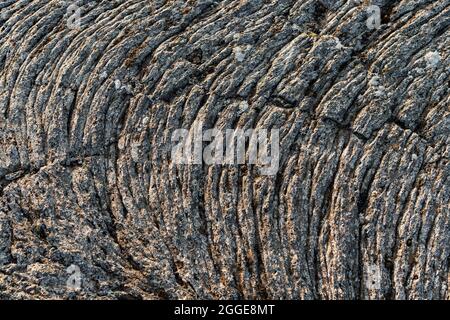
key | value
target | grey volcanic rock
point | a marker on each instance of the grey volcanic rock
(87, 181)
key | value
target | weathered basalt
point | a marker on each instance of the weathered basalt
(86, 179)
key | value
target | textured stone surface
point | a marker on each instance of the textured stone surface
(86, 117)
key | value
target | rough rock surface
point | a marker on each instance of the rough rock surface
(86, 117)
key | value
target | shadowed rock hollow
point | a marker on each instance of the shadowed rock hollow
(86, 178)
